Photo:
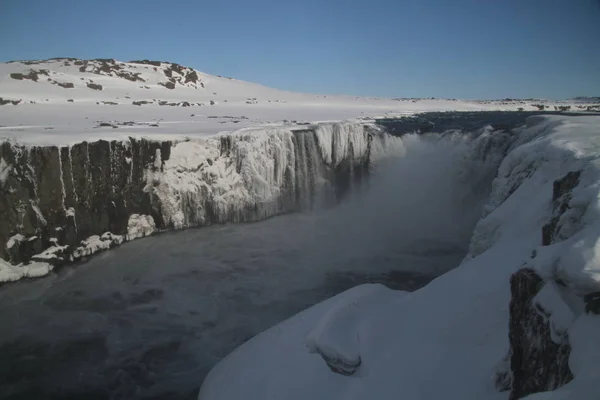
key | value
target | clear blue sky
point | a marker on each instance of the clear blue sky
(392, 48)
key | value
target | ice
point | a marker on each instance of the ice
(258, 168)
(5, 169)
(140, 226)
(96, 243)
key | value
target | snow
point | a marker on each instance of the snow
(553, 307)
(446, 339)
(96, 243)
(140, 226)
(14, 240)
(45, 116)
(50, 253)
(583, 362)
(254, 170)
(10, 273)
(338, 334)
(5, 169)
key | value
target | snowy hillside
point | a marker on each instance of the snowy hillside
(63, 101)
(519, 316)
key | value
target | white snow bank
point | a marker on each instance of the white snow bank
(338, 334)
(51, 253)
(14, 240)
(140, 226)
(96, 243)
(552, 307)
(445, 340)
(10, 273)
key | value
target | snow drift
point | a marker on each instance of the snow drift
(463, 336)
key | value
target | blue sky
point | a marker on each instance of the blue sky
(392, 48)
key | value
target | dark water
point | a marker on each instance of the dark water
(149, 319)
(439, 122)
(156, 314)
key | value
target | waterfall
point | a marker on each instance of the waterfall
(243, 176)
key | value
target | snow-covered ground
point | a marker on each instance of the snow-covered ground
(446, 339)
(59, 103)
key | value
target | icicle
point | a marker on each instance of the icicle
(111, 174)
(62, 181)
(72, 179)
(88, 164)
(130, 161)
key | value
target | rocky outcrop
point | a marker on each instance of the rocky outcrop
(561, 195)
(537, 362)
(61, 196)
(538, 359)
(32, 75)
(60, 204)
(94, 86)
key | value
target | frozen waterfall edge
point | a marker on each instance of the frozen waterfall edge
(61, 204)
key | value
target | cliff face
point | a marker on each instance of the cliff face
(59, 204)
(54, 197)
(539, 359)
(541, 311)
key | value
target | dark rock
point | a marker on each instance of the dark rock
(94, 86)
(341, 367)
(155, 63)
(592, 303)
(537, 363)
(5, 102)
(561, 195)
(168, 85)
(104, 68)
(192, 77)
(226, 145)
(105, 60)
(32, 75)
(70, 100)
